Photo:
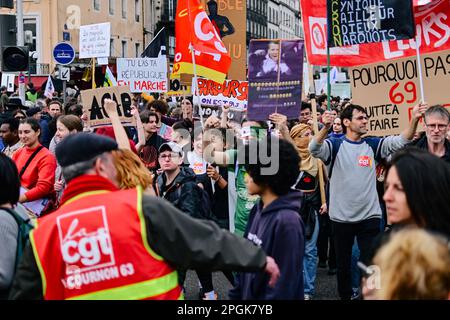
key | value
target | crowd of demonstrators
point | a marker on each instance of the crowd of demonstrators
(171, 238)
(206, 183)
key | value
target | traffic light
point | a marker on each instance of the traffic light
(15, 58)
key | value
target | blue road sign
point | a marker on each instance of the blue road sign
(63, 53)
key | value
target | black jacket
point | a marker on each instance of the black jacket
(183, 193)
(422, 143)
(183, 242)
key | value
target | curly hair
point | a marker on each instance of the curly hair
(131, 172)
(414, 264)
(285, 158)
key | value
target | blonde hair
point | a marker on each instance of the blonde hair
(414, 264)
(131, 172)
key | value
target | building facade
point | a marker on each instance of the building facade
(284, 20)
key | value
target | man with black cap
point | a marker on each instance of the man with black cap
(103, 243)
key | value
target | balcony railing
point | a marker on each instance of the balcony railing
(39, 68)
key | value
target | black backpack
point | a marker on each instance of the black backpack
(23, 236)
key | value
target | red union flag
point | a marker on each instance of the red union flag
(432, 20)
(194, 29)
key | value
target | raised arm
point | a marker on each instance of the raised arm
(119, 131)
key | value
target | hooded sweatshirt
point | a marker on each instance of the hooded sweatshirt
(279, 231)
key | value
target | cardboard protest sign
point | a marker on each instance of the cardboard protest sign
(232, 92)
(143, 74)
(93, 101)
(432, 23)
(95, 40)
(353, 22)
(177, 89)
(275, 78)
(234, 114)
(390, 90)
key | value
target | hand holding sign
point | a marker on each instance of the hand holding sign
(327, 119)
(111, 108)
(419, 110)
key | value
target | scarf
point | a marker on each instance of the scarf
(308, 163)
(86, 183)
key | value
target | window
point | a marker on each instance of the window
(96, 5)
(124, 9)
(111, 7)
(124, 48)
(138, 50)
(111, 46)
(137, 10)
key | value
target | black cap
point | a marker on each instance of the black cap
(32, 111)
(81, 147)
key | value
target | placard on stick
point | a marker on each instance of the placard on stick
(93, 106)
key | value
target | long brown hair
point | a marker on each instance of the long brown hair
(131, 172)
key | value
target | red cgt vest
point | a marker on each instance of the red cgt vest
(95, 247)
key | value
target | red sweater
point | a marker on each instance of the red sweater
(39, 177)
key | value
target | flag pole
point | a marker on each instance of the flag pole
(278, 78)
(328, 79)
(194, 99)
(419, 67)
(93, 73)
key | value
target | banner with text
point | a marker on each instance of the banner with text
(275, 78)
(143, 74)
(93, 101)
(232, 92)
(390, 90)
(236, 115)
(355, 22)
(432, 23)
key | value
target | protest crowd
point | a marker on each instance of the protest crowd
(101, 198)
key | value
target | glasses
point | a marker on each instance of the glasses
(168, 156)
(441, 127)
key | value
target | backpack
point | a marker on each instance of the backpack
(23, 235)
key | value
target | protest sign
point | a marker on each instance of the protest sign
(275, 78)
(95, 40)
(353, 22)
(142, 74)
(389, 90)
(432, 23)
(93, 106)
(177, 89)
(232, 92)
(234, 114)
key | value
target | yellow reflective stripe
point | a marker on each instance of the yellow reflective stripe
(38, 262)
(137, 291)
(143, 226)
(85, 194)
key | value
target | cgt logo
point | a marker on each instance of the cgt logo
(85, 240)
(365, 161)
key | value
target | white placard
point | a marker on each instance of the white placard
(102, 61)
(143, 74)
(8, 81)
(95, 40)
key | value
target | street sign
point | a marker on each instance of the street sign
(64, 73)
(63, 53)
(8, 81)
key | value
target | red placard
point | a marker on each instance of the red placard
(432, 18)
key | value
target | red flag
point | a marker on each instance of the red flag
(432, 21)
(193, 27)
